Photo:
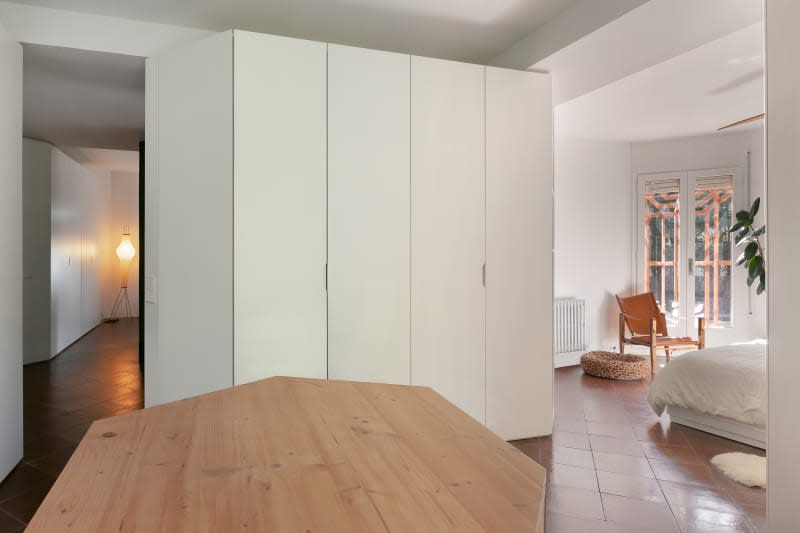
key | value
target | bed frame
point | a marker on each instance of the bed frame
(717, 425)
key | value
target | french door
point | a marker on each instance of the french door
(684, 249)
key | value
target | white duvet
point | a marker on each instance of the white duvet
(728, 381)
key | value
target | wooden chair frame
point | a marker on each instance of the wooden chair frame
(658, 336)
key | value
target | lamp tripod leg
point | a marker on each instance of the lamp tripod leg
(117, 302)
(127, 306)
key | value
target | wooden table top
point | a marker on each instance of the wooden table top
(296, 455)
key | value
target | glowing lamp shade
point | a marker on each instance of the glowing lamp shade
(125, 252)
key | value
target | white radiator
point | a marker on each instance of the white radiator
(570, 325)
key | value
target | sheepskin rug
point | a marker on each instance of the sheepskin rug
(744, 468)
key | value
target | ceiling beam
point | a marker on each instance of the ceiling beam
(70, 29)
(575, 22)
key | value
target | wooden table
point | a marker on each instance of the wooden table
(296, 455)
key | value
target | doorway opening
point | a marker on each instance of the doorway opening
(651, 168)
(83, 130)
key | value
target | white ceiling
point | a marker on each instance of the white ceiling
(83, 98)
(122, 161)
(694, 93)
(645, 36)
(466, 30)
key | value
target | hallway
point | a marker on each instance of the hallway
(96, 377)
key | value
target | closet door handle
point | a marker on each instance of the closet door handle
(691, 266)
(483, 274)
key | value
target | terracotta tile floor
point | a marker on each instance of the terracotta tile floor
(614, 467)
(96, 377)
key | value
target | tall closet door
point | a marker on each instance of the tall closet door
(368, 215)
(94, 197)
(65, 262)
(60, 263)
(279, 207)
(519, 244)
(447, 231)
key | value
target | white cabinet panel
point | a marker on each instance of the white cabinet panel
(10, 253)
(519, 244)
(65, 259)
(279, 207)
(95, 199)
(195, 219)
(447, 231)
(368, 215)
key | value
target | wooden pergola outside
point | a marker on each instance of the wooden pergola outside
(662, 207)
(708, 203)
(665, 206)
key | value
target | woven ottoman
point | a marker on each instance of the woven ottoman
(611, 365)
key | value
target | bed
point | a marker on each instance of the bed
(720, 390)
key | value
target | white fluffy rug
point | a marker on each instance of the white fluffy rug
(744, 468)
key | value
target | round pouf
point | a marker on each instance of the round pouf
(612, 365)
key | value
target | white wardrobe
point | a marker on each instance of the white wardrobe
(368, 206)
(374, 216)
(65, 214)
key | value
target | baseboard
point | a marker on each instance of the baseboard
(567, 359)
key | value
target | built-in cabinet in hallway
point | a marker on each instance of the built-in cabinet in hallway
(373, 216)
(65, 216)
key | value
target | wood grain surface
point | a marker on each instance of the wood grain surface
(287, 455)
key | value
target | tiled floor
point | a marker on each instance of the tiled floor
(614, 467)
(96, 377)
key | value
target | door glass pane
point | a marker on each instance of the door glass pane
(713, 198)
(661, 245)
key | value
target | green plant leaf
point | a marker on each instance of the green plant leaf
(742, 259)
(751, 250)
(750, 280)
(762, 281)
(736, 227)
(760, 231)
(754, 208)
(755, 265)
(742, 237)
(743, 217)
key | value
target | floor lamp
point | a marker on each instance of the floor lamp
(125, 252)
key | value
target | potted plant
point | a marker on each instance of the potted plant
(749, 236)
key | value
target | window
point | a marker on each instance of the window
(713, 213)
(661, 244)
(685, 249)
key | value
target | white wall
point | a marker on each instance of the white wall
(593, 231)
(10, 253)
(189, 210)
(783, 248)
(724, 150)
(123, 211)
(596, 221)
(36, 250)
